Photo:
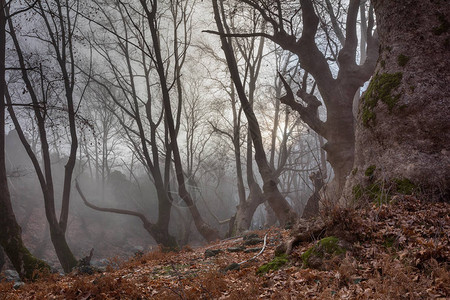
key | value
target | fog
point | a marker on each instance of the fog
(122, 88)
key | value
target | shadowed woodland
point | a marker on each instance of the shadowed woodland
(224, 149)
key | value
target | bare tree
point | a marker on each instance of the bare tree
(337, 92)
(59, 21)
(281, 207)
(11, 234)
(149, 124)
(151, 12)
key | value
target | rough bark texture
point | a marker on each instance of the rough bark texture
(403, 130)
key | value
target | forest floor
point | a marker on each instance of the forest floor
(395, 251)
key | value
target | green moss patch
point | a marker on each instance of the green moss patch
(402, 60)
(405, 186)
(380, 88)
(370, 170)
(273, 265)
(381, 192)
(328, 246)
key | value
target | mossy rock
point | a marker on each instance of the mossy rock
(325, 248)
(232, 267)
(380, 88)
(236, 249)
(253, 241)
(250, 236)
(273, 265)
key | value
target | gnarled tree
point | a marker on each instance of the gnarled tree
(403, 129)
(336, 91)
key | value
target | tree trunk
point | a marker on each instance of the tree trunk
(281, 207)
(271, 218)
(65, 255)
(312, 206)
(2, 258)
(340, 145)
(246, 210)
(11, 234)
(403, 130)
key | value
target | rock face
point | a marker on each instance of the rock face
(403, 125)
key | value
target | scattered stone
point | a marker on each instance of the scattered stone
(253, 241)
(327, 247)
(11, 275)
(236, 249)
(87, 270)
(250, 236)
(18, 284)
(231, 267)
(100, 264)
(251, 250)
(212, 252)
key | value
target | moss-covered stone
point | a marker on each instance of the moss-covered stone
(273, 265)
(380, 88)
(232, 267)
(370, 170)
(402, 60)
(326, 246)
(212, 252)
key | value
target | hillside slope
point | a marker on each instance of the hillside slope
(395, 251)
